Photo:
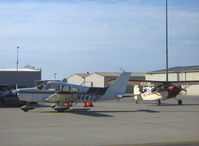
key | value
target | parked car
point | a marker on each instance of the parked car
(7, 98)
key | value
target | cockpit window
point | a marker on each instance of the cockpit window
(41, 86)
(52, 87)
(57, 87)
(70, 89)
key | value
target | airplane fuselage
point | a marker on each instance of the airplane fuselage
(36, 95)
(168, 92)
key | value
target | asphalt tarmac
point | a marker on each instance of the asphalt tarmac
(111, 123)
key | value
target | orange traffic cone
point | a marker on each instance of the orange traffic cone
(85, 104)
(90, 104)
(67, 104)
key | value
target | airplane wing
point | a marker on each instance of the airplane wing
(63, 96)
(156, 83)
(141, 82)
(178, 83)
(145, 82)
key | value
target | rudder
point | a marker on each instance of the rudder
(118, 87)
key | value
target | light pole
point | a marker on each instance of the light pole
(55, 74)
(17, 57)
(17, 67)
(167, 58)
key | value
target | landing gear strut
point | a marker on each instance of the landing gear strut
(158, 102)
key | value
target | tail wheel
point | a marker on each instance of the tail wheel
(179, 102)
(158, 102)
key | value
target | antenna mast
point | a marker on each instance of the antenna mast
(17, 63)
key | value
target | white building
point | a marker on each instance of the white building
(180, 73)
(77, 78)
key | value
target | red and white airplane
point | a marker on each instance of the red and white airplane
(159, 90)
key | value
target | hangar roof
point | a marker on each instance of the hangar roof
(105, 74)
(115, 74)
(79, 74)
(194, 68)
(20, 69)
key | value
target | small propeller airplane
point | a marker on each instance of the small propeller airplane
(159, 90)
(60, 94)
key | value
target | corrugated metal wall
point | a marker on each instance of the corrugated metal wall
(23, 79)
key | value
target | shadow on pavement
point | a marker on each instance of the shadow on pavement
(101, 113)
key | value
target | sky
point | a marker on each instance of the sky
(79, 36)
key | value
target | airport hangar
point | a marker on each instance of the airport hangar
(24, 77)
(179, 73)
(101, 79)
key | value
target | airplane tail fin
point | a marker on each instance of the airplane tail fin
(118, 87)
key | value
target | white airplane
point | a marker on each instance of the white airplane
(159, 90)
(60, 93)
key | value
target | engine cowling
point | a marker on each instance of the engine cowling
(173, 91)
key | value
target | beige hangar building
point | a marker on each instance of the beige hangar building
(104, 79)
(101, 79)
(180, 73)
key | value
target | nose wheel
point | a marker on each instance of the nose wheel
(179, 101)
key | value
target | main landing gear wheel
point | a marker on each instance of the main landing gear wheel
(26, 108)
(60, 108)
(136, 101)
(158, 102)
(179, 102)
